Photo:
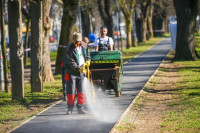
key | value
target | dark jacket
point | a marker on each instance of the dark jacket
(72, 59)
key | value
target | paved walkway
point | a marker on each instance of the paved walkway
(103, 116)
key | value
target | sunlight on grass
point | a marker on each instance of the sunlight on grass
(18, 110)
(53, 55)
(185, 116)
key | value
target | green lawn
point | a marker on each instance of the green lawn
(53, 55)
(15, 112)
(185, 116)
(198, 44)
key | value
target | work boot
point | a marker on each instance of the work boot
(69, 112)
(81, 111)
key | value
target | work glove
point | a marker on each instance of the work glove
(83, 70)
(87, 63)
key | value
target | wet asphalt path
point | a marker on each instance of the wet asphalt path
(136, 73)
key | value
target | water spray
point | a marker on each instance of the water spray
(85, 70)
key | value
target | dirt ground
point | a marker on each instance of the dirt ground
(146, 115)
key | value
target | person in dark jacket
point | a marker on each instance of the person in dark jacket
(76, 55)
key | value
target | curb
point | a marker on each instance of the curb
(34, 116)
(134, 100)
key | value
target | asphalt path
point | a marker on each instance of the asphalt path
(101, 117)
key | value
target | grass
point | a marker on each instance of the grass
(185, 115)
(198, 44)
(53, 55)
(17, 111)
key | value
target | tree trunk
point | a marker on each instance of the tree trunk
(47, 74)
(86, 18)
(16, 48)
(36, 45)
(3, 47)
(134, 34)
(134, 42)
(68, 27)
(138, 22)
(144, 8)
(144, 29)
(149, 21)
(186, 12)
(129, 23)
(105, 10)
(128, 14)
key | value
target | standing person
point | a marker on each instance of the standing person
(86, 40)
(76, 56)
(103, 43)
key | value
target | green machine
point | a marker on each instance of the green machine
(106, 70)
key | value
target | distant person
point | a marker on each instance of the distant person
(86, 40)
(103, 43)
(92, 37)
(89, 44)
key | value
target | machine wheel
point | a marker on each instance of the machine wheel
(117, 93)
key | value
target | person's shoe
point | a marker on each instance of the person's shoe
(82, 111)
(69, 112)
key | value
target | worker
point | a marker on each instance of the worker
(103, 43)
(76, 55)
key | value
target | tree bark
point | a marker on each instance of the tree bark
(129, 23)
(144, 8)
(105, 9)
(128, 14)
(36, 45)
(47, 74)
(138, 22)
(3, 47)
(144, 29)
(186, 12)
(86, 18)
(68, 27)
(149, 20)
(16, 48)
